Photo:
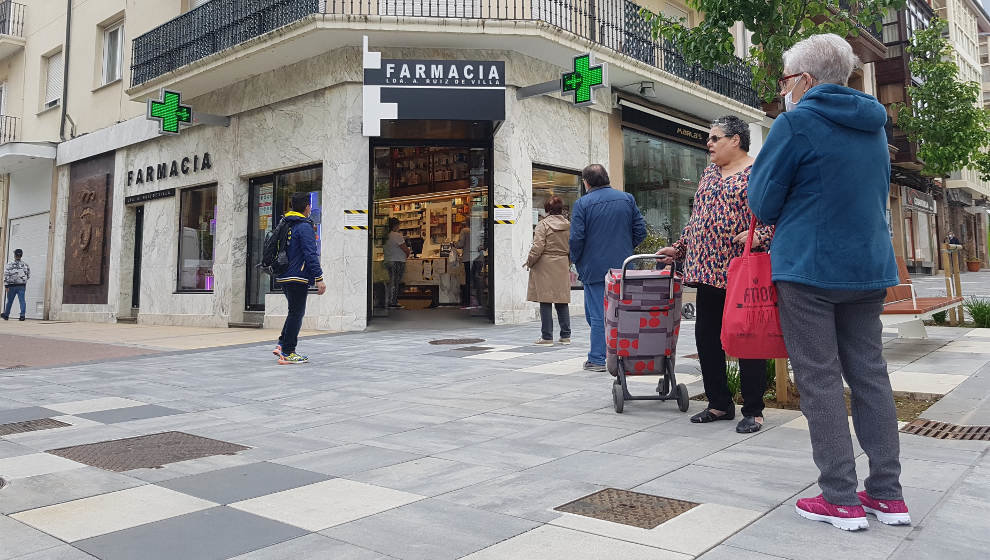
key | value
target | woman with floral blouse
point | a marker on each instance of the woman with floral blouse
(715, 234)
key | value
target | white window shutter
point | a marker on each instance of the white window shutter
(53, 90)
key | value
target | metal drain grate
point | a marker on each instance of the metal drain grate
(457, 341)
(629, 508)
(30, 426)
(146, 452)
(944, 430)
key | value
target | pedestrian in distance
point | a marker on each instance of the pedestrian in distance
(822, 177)
(549, 271)
(396, 253)
(953, 240)
(606, 226)
(715, 234)
(303, 271)
(15, 276)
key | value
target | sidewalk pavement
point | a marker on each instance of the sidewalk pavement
(386, 446)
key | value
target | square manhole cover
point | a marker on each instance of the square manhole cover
(30, 426)
(629, 508)
(146, 452)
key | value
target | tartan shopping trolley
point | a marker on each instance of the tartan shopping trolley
(642, 321)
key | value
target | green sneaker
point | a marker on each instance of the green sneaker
(293, 358)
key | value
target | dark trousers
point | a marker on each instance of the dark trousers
(295, 293)
(563, 317)
(708, 337)
(833, 335)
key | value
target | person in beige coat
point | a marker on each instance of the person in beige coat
(549, 271)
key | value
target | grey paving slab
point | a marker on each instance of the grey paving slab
(726, 552)
(605, 469)
(508, 454)
(430, 440)
(19, 539)
(499, 425)
(346, 460)
(26, 413)
(575, 436)
(784, 534)
(748, 490)
(277, 445)
(206, 402)
(44, 490)
(781, 464)
(652, 445)
(187, 468)
(430, 530)
(429, 476)
(929, 475)
(312, 547)
(11, 449)
(44, 440)
(958, 363)
(64, 552)
(522, 495)
(358, 429)
(226, 486)
(210, 534)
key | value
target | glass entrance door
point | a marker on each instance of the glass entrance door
(435, 199)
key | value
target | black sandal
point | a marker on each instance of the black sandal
(748, 425)
(706, 416)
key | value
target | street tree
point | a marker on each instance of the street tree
(776, 26)
(944, 118)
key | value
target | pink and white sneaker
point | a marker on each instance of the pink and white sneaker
(888, 512)
(847, 518)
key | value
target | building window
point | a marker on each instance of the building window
(548, 182)
(113, 53)
(663, 177)
(53, 80)
(197, 230)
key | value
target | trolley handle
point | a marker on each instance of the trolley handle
(648, 256)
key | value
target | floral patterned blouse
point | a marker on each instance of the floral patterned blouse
(720, 213)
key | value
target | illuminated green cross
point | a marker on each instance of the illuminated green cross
(169, 112)
(583, 79)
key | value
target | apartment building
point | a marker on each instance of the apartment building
(285, 97)
(967, 196)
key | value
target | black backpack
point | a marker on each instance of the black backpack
(275, 259)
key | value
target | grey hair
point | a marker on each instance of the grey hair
(827, 57)
(732, 125)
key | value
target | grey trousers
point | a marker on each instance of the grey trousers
(831, 335)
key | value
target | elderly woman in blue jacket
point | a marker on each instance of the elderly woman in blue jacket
(822, 177)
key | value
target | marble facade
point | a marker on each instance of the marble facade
(305, 114)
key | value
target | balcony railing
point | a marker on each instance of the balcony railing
(8, 129)
(11, 18)
(615, 24)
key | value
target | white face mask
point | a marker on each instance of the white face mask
(789, 103)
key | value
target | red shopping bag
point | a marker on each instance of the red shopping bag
(751, 319)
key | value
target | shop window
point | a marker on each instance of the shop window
(197, 230)
(271, 198)
(567, 185)
(663, 177)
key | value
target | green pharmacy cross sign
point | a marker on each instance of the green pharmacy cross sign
(585, 78)
(170, 112)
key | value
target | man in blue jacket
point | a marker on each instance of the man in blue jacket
(303, 271)
(606, 225)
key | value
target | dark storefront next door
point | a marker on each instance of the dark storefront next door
(138, 240)
(270, 198)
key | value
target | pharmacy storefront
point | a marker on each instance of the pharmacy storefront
(168, 229)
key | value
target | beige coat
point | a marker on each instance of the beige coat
(549, 261)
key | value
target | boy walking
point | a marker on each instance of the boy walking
(303, 271)
(15, 277)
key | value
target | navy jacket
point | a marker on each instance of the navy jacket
(606, 226)
(823, 178)
(303, 252)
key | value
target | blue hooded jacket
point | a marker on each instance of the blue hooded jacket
(303, 252)
(823, 178)
(606, 225)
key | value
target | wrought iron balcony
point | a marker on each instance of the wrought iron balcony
(615, 24)
(11, 18)
(8, 129)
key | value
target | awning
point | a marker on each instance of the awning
(15, 156)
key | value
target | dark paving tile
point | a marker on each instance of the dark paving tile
(211, 534)
(226, 486)
(117, 415)
(28, 413)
